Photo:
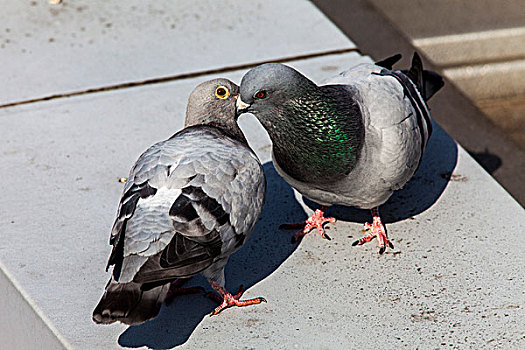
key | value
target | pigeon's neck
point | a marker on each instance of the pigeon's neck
(231, 129)
(320, 136)
(220, 116)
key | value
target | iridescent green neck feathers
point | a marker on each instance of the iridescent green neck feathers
(318, 136)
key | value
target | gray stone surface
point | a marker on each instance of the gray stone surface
(474, 48)
(455, 279)
(423, 19)
(477, 45)
(83, 44)
(20, 315)
(455, 276)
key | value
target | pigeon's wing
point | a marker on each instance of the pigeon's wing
(188, 201)
(397, 126)
(388, 99)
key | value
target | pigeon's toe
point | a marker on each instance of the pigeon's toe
(230, 300)
(317, 221)
(375, 230)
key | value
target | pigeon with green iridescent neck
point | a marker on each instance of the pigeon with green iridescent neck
(353, 141)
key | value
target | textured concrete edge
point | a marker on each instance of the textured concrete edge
(485, 82)
(483, 47)
(24, 325)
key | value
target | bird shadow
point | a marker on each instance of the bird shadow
(420, 193)
(262, 254)
(268, 247)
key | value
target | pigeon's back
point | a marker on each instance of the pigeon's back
(189, 202)
(202, 160)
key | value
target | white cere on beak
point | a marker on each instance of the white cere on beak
(240, 104)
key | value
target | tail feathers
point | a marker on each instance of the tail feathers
(128, 303)
(415, 73)
(427, 82)
(389, 62)
(432, 83)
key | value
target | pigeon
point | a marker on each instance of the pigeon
(352, 141)
(189, 202)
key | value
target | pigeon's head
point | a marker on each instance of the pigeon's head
(265, 89)
(213, 102)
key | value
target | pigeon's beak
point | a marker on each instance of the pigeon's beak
(241, 106)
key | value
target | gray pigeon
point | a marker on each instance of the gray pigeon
(353, 141)
(189, 202)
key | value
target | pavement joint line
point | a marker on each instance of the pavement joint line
(182, 76)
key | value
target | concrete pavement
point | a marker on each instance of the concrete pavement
(455, 279)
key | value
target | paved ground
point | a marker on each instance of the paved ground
(455, 279)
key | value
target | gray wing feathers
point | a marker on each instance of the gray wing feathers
(380, 93)
(229, 174)
(394, 117)
(395, 134)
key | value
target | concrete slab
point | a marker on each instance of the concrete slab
(55, 49)
(423, 19)
(507, 113)
(484, 82)
(61, 160)
(454, 280)
(20, 317)
(474, 48)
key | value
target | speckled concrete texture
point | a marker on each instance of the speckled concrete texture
(83, 44)
(454, 280)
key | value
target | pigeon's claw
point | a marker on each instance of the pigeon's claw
(375, 230)
(317, 220)
(229, 300)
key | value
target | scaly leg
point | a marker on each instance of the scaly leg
(317, 220)
(176, 289)
(229, 300)
(375, 230)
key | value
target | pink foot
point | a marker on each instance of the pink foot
(375, 230)
(317, 220)
(176, 289)
(229, 300)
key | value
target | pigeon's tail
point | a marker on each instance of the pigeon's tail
(427, 82)
(129, 303)
(432, 83)
(389, 62)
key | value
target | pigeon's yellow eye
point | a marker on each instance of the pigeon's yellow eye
(222, 92)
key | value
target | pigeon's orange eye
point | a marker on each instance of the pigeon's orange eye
(261, 94)
(222, 92)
